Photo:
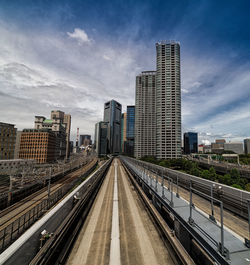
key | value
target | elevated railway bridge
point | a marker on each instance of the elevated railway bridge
(132, 212)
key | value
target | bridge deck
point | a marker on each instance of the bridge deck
(238, 252)
(140, 242)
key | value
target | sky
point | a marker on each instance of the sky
(75, 55)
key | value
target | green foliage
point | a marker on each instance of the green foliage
(232, 179)
(226, 179)
(150, 159)
(237, 186)
(247, 187)
(245, 159)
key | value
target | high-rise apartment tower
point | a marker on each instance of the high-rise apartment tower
(145, 114)
(168, 100)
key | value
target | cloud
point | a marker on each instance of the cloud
(50, 72)
(80, 35)
(106, 57)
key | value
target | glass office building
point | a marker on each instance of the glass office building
(112, 115)
(190, 142)
(130, 131)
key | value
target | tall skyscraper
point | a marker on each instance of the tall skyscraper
(130, 130)
(145, 114)
(168, 100)
(190, 142)
(112, 115)
(123, 131)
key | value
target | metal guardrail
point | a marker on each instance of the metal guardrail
(11, 232)
(234, 199)
(222, 247)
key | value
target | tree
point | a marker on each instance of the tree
(226, 179)
(212, 173)
(237, 186)
(247, 187)
(235, 176)
(205, 174)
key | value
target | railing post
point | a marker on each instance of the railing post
(222, 228)
(162, 186)
(156, 182)
(247, 240)
(177, 188)
(171, 190)
(150, 179)
(190, 219)
(211, 216)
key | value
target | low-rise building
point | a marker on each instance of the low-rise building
(7, 140)
(39, 145)
(234, 147)
(56, 125)
(218, 146)
(201, 148)
(207, 149)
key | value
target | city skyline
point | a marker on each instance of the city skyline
(58, 56)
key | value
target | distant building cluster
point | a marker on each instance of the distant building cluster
(47, 142)
(151, 127)
(220, 146)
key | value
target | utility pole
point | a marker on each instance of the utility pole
(10, 190)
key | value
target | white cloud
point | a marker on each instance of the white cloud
(106, 57)
(40, 71)
(80, 35)
(44, 71)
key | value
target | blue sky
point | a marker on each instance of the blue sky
(75, 55)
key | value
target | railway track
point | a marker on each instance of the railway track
(139, 239)
(13, 212)
(20, 216)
